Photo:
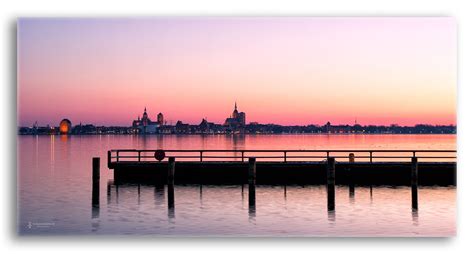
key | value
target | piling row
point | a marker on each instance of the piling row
(171, 171)
(331, 183)
(414, 183)
(252, 176)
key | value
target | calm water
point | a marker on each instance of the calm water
(54, 193)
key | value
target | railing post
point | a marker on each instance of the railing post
(200, 156)
(139, 155)
(331, 181)
(171, 169)
(371, 157)
(351, 158)
(243, 156)
(414, 183)
(117, 156)
(327, 155)
(284, 155)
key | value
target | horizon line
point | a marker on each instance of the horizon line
(286, 125)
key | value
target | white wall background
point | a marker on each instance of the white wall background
(463, 11)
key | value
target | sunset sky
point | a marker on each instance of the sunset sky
(281, 70)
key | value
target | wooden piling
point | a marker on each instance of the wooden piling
(252, 201)
(351, 176)
(252, 174)
(351, 191)
(95, 169)
(414, 182)
(171, 167)
(171, 170)
(95, 180)
(331, 181)
(170, 195)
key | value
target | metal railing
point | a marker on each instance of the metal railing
(134, 155)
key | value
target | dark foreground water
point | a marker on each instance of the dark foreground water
(54, 193)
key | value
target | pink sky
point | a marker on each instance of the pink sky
(280, 70)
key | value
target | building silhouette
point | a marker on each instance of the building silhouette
(145, 125)
(160, 119)
(236, 121)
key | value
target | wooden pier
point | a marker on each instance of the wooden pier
(285, 167)
(351, 167)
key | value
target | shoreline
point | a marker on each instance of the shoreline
(234, 134)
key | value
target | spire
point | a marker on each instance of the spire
(235, 107)
(145, 109)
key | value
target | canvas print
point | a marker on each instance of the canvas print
(237, 126)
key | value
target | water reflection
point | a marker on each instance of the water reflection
(352, 193)
(145, 141)
(109, 189)
(95, 193)
(95, 189)
(237, 142)
(159, 197)
(414, 217)
(63, 138)
(331, 197)
(138, 191)
(171, 211)
(414, 197)
(332, 216)
(95, 214)
(221, 202)
(116, 194)
(52, 152)
(159, 194)
(252, 201)
(46, 161)
(160, 142)
(95, 211)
